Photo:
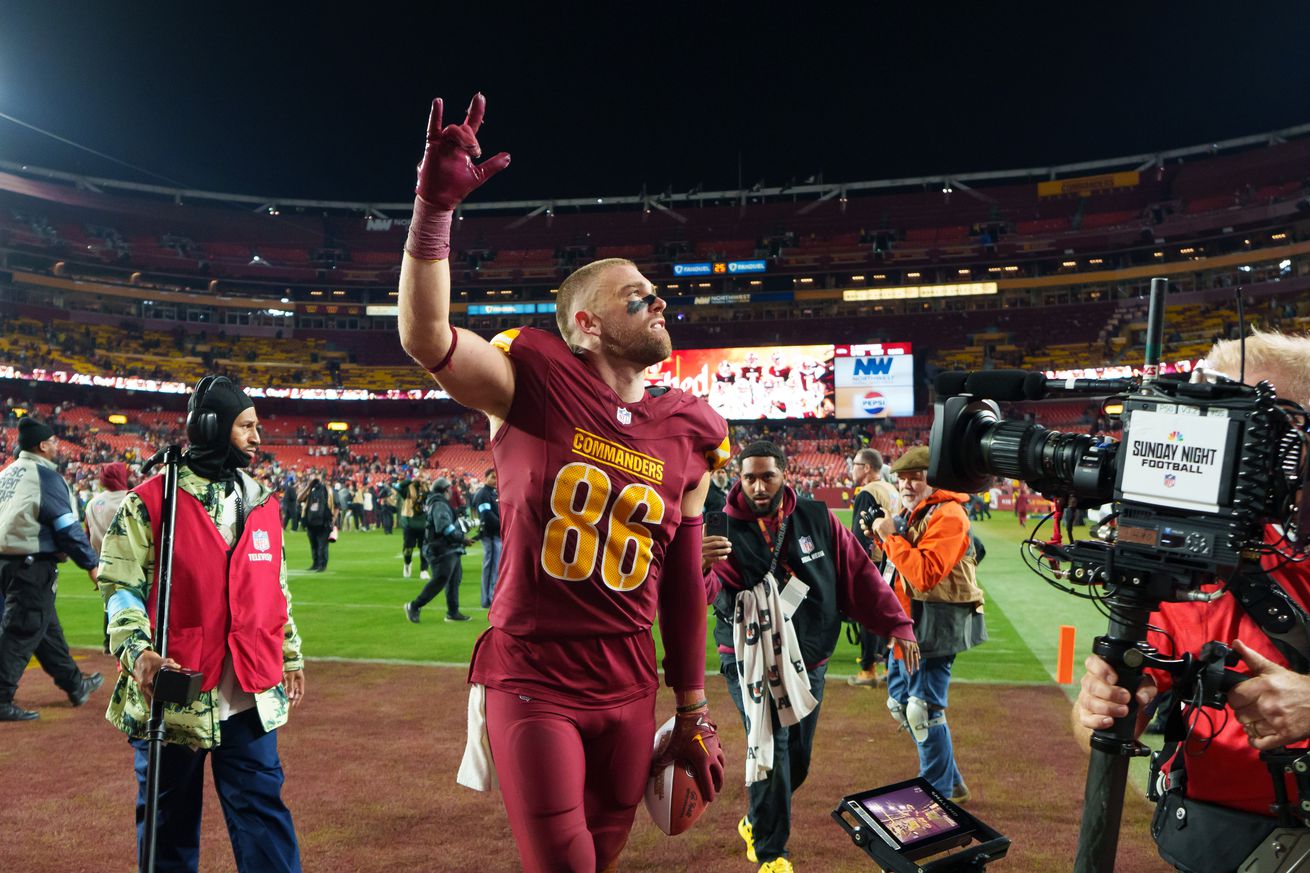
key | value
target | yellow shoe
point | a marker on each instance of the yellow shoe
(777, 865)
(865, 677)
(748, 834)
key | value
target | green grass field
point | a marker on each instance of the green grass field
(353, 611)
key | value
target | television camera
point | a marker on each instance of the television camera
(1204, 486)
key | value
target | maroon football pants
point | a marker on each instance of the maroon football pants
(571, 778)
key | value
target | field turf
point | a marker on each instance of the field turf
(370, 758)
(353, 611)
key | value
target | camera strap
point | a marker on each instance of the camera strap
(1281, 618)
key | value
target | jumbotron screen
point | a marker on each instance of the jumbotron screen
(875, 380)
(754, 383)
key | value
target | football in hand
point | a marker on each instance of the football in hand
(672, 798)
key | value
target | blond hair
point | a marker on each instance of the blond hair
(575, 293)
(1286, 355)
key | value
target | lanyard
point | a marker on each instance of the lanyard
(782, 537)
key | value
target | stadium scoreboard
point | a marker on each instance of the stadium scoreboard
(874, 380)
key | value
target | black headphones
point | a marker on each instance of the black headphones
(202, 424)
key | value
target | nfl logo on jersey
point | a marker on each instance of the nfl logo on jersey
(807, 545)
(623, 415)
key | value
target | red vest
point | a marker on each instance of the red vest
(209, 616)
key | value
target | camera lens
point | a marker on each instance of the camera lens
(973, 443)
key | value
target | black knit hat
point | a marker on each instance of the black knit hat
(31, 433)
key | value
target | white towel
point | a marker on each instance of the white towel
(477, 770)
(770, 658)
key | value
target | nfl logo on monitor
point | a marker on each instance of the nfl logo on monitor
(259, 539)
(1170, 480)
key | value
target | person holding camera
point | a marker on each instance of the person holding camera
(1214, 809)
(874, 498)
(443, 549)
(935, 576)
(780, 580)
(230, 619)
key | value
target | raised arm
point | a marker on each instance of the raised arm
(474, 373)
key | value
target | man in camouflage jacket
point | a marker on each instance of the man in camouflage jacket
(234, 626)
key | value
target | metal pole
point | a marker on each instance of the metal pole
(1155, 328)
(172, 456)
(1107, 770)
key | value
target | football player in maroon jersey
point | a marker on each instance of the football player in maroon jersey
(602, 484)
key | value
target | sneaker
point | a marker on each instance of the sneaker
(456, 616)
(866, 678)
(409, 571)
(748, 834)
(777, 865)
(85, 685)
(411, 612)
(423, 574)
(960, 793)
(13, 712)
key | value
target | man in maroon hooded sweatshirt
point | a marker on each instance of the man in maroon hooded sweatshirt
(818, 572)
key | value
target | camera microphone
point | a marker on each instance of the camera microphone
(951, 382)
(1091, 386)
(1023, 384)
(1000, 384)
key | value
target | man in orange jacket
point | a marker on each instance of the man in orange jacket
(934, 573)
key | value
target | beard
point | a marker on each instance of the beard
(772, 506)
(640, 345)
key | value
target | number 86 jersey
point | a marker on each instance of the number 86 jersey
(590, 492)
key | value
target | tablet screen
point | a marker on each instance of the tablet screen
(910, 815)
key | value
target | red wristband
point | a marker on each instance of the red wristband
(442, 364)
(429, 232)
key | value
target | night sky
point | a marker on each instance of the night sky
(310, 104)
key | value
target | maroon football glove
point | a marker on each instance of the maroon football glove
(447, 175)
(695, 742)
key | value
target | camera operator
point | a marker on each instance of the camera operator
(866, 469)
(820, 571)
(935, 576)
(443, 548)
(1218, 784)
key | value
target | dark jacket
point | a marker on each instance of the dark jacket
(821, 553)
(487, 504)
(445, 533)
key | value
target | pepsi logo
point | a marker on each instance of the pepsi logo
(873, 403)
